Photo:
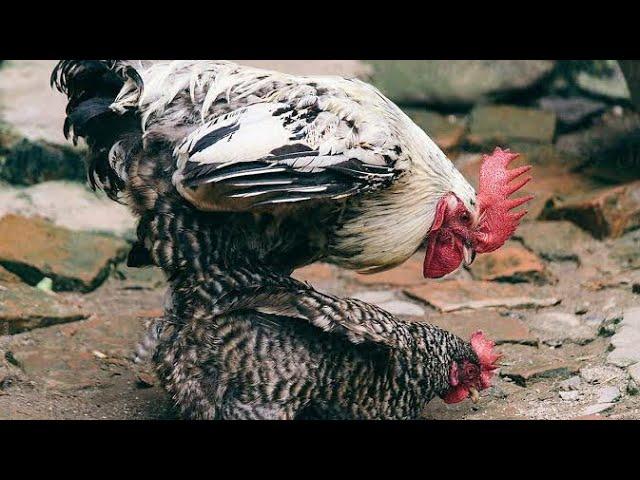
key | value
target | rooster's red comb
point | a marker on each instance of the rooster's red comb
(496, 220)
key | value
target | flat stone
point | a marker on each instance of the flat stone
(343, 68)
(608, 395)
(399, 307)
(626, 250)
(409, 273)
(28, 104)
(600, 374)
(511, 263)
(527, 364)
(573, 111)
(73, 260)
(452, 295)
(607, 149)
(80, 355)
(589, 417)
(626, 340)
(7, 277)
(24, 308)
(597, 408)
(571, 396)
(611, 85)
(572, 383)
(554, 241)
(26, 162)
(557, 327)
(606, 212)
(375, 296)
(499, 328)
(634, 372)
(446, 131)
(455, 82)
(631, 71)
(493, 125)
(146, 278)
(70, 205)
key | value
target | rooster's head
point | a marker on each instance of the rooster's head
(469, 375)
(458, 234)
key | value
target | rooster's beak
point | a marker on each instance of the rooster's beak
(469, 255)
(474, 395)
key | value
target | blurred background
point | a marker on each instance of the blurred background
(561, 298)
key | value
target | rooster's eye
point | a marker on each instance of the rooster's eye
(465, 217)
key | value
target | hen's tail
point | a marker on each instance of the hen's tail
(102, 109)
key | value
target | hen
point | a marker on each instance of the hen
(247, 346)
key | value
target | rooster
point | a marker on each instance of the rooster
(239, 176)
(297, 169)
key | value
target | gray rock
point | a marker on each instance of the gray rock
(634, 372)
(343, 68)
(556, 327)
(626, 250)
(491, 125)
(29, 105)
(70, 205)
(572, 112)
(375, 296)
(600, 374)
(560, 240)
(608, 395)
(626, 341)
(24, 308)
(33, 248)
(456, 82)
(570, 396)
(597, 408)
(398, 307)
(612, 86)
(572, 383)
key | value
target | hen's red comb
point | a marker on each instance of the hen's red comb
(487, 357)
(496, 221)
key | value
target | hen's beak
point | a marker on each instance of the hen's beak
(469, 255)
(474, 395)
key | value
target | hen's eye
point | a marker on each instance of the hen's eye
(465, 217)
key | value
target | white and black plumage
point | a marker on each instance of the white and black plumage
(334, 150)
(240, 175)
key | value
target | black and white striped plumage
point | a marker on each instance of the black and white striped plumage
(240, 175)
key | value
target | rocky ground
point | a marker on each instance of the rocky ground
(561, 299)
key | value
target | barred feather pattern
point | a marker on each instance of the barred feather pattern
(260, 346)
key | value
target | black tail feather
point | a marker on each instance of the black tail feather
(91, 87)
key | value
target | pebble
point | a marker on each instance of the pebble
(570, 396)
(582, 309)
(597, 408)
(600, 374)
(609, 395)
(626, 341)
(634, 371)
(572, 383)
(398, 307)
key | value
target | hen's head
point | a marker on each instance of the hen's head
(458, 234)
(470, 374)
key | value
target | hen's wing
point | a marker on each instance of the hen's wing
(267, 154)
(358, 321)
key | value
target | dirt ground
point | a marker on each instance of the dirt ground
(561, 299)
